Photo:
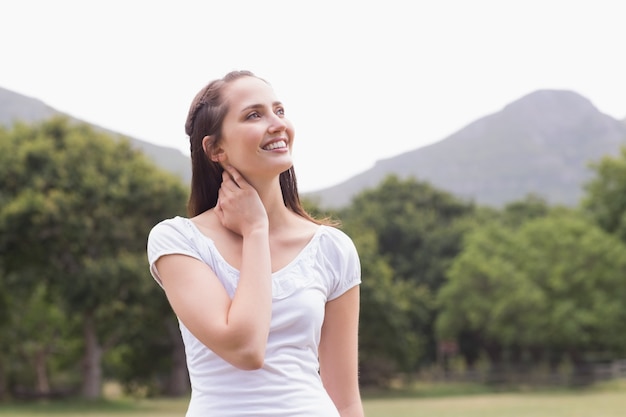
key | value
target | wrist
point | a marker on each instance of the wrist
(260, 230)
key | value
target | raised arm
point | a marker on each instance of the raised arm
(236, 329)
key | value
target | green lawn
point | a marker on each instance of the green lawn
(504, 405)
(606, 402)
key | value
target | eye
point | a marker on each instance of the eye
(253, 115)
(280, 111)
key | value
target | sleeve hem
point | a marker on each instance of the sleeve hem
(153, 269)
(344, 289)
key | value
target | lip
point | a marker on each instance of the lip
(269, 142)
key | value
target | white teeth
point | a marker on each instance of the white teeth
(275, 145)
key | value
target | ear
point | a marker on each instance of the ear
(212, 151)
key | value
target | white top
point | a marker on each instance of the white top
(288, 384)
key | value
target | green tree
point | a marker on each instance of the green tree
(387, 342)
(556, 284)
(605, 194)
(417, 226)
(580, 269)
(488, 296)
(418, 233)
(76, 206)
(44, 331)
(518, 212)
(151, 361)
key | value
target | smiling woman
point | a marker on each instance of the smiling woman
(267, 297)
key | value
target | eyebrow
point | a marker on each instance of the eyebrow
(259, 106)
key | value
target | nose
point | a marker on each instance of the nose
(277, 124)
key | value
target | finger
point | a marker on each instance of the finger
(223, 197)
(227, 176)
(236, 176)
(222, 201)
(228, 183)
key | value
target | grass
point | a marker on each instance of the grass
(607, 400)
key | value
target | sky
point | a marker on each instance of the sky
(361, 80)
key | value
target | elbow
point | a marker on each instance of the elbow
(250, 360)
(241, 349)
(248, 355)
(250, 365)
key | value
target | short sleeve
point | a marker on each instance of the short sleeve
(344, 259)
(170, 237)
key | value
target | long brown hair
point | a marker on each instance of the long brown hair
(206, 116)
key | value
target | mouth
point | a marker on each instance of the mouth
(279, 144)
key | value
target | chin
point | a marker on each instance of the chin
(287, 166)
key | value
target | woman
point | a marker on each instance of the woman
(266, 296)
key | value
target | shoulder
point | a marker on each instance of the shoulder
(332, 237)
(337, 247)
(170, 227)
(175, 235)
(168, 237)
(342, 260)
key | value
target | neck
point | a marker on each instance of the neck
(271, 196)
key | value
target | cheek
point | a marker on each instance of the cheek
(240, 151)
(292, 133)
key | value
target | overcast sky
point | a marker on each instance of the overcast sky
(361, 80)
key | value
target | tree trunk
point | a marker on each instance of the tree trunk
(178, 382)
(469, 347)
(3, 385)
(583, 371)
(41, 369)
(496, 374)
(92, 370)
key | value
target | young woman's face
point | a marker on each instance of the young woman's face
(256, 137)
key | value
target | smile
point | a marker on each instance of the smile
(275, 145)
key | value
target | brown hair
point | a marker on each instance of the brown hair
(206, 116)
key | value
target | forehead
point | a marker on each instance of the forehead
(248, 91)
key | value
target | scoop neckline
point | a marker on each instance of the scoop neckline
(288, 266)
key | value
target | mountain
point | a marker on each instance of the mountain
(541, 143)
(16, 107)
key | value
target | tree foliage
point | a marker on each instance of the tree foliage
(555, 283)
(605, 198)
(76, 206)
(75, 209)
(416, 232)
(387, 341)
(417, 227)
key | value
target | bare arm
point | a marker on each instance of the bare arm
(339, 353)
(236, 329)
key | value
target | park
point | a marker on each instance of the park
(513, 309)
